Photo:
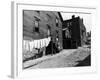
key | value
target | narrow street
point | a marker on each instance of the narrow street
(66, 58)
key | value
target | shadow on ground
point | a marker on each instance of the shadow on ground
(85, 62)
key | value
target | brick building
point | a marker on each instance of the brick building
(38, 25)
(74, 32)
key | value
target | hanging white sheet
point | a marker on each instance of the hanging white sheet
(30, 45)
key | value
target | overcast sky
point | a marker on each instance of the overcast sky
(86, 18)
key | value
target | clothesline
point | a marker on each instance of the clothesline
(30, 45)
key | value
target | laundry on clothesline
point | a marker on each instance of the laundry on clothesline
(30, 45)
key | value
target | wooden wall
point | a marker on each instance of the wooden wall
(45, 17)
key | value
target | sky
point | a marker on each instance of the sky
(86, 18)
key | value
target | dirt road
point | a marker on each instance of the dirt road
(66, 58)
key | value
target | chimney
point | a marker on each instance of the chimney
(82, 19)
(73, 16)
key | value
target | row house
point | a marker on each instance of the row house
(44, 30)
(74, 33)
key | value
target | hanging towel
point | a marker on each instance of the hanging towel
(49, 39)
(46, 42)
(24, 45)
(35, 43)
(42, 43)
(38, 44)
(28, 43)
(31, 45)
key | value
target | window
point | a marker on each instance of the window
(57, 34)
(38, 12)
(57, 22)
(49, 30)
(68, 24)
(68, 33)
(36, 23)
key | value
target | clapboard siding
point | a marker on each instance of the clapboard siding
(45, 18)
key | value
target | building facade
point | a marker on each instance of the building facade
(38, 25)
(74, 33)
